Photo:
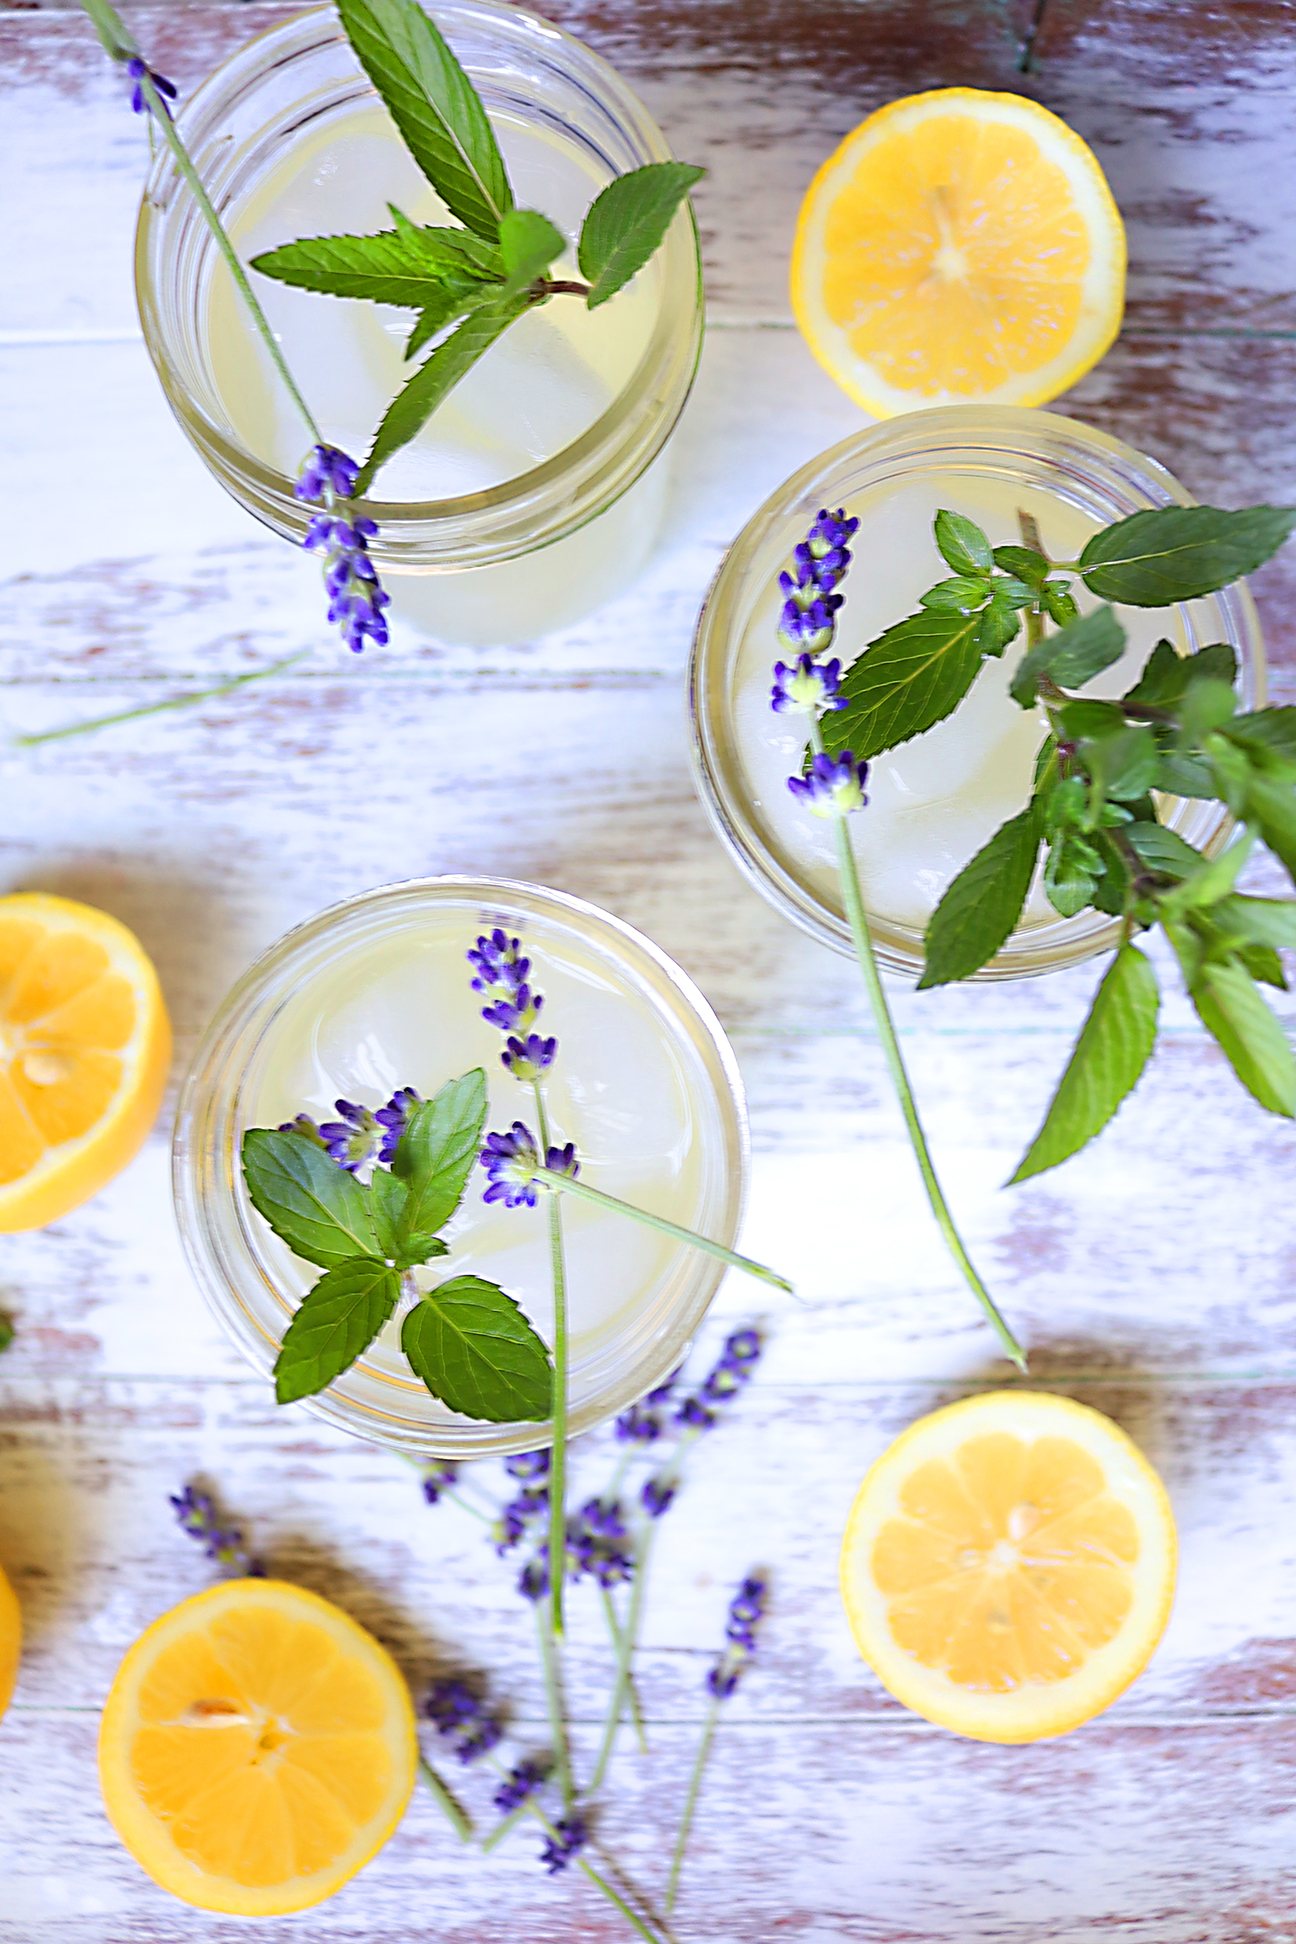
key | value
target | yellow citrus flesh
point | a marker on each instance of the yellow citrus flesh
(257, 1749)
(10, 1641)
(1009, 1565)
(959, 247)
(85, 1044)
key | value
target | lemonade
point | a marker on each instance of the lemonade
(376, 996)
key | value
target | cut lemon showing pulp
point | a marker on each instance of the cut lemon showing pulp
(959, 247)
(1009, 1565)
(258, 1747)
(10, 1641)
(85, 1044)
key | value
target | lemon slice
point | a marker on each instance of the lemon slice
(10, 1641)
(959, 247)
(1008, 1565)
(257, 1748)
(85, 1044)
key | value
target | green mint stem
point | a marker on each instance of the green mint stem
(690, 1803)
(558, 1459)
(584, 1192)
(455, 1813)
(854, 902)
(503, 1829)
(554, 1704)
(626, 1648)
(227, 250)
(156, 708)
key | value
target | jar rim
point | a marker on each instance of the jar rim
(893, 448)
(667, 364)
(204, 1163)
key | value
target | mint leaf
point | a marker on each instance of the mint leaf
(1071, 872)
(317, 1208)
(528, 244)
(997, 626)
(963, 544)
(435, 106)
(1266, 732)
(442, 307)
(1212, 879)
(983, 903)
(1184, 776)
(404, 266)
(1271, 804)
(6, 1330)
(474, 1349)
(1024, 563)
(962, 595)
(405, 1247)
(626, 222)
(912, 676)
(1167, 674)
(1125, 765)
(336, 1320)
(1162, 850)
(1109, 1057)
(1179, 552)
(1071, 657)
(434, 380)
(1239, 1018)
(1260, 921)
(437, 1152)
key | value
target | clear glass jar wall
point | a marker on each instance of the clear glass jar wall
(538, 550)
(978, 457)
(375, 993)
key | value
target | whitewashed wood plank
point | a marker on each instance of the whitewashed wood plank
(1185, 127)
(89, 1542)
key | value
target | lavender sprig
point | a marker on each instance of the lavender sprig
(197, 1515)
(462, 1719)
(746, 1610)
(356, 598)
(834, 789)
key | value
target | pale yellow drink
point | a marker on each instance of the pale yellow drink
(535, 393)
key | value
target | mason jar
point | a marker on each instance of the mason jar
(375, 994)
(575, 430)
(934, 801)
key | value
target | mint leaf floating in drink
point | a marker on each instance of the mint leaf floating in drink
(336, 1320)
(981, 907)
(1072, 656)
(473, 1347)
(962, 543)
(1178, 553)
(1109, 1056)
(627, 222)
(407, 266)
(434, 105)
(437, 1152)
(316, 1207)
(528, 245)
(908, 679)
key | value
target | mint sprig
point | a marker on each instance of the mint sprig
(483, 278)
(1093, 811)
(466, 1338)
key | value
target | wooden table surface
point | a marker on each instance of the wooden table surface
(1151, 1276)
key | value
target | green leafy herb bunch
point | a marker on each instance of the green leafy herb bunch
(1107, 774)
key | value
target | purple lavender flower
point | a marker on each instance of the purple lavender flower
(517, 1517)
(303, 1124)
(807, 686)
(594, 1544)
(570, 1835)
(658, 1494)
(137, 70)
(528, 1464)
(562, 1161)
(394, 1118)
(356, 600)
(197, 1515)
(638, 1426)
(741, 1352)
(353, 1139)
(523, 1781)
(512, 1161)
(832, 785)
(527, 1059)
(746, 1610)
(830, 533)
(809, 630)
(498, 961)
(438, 1477)
(695, 1414)
(743, 1347)
(461, 1717)
(533, 1580)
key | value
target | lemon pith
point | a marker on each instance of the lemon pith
(85, 1045)
(258, 1747)
(1008, 1566)
(958, 247)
